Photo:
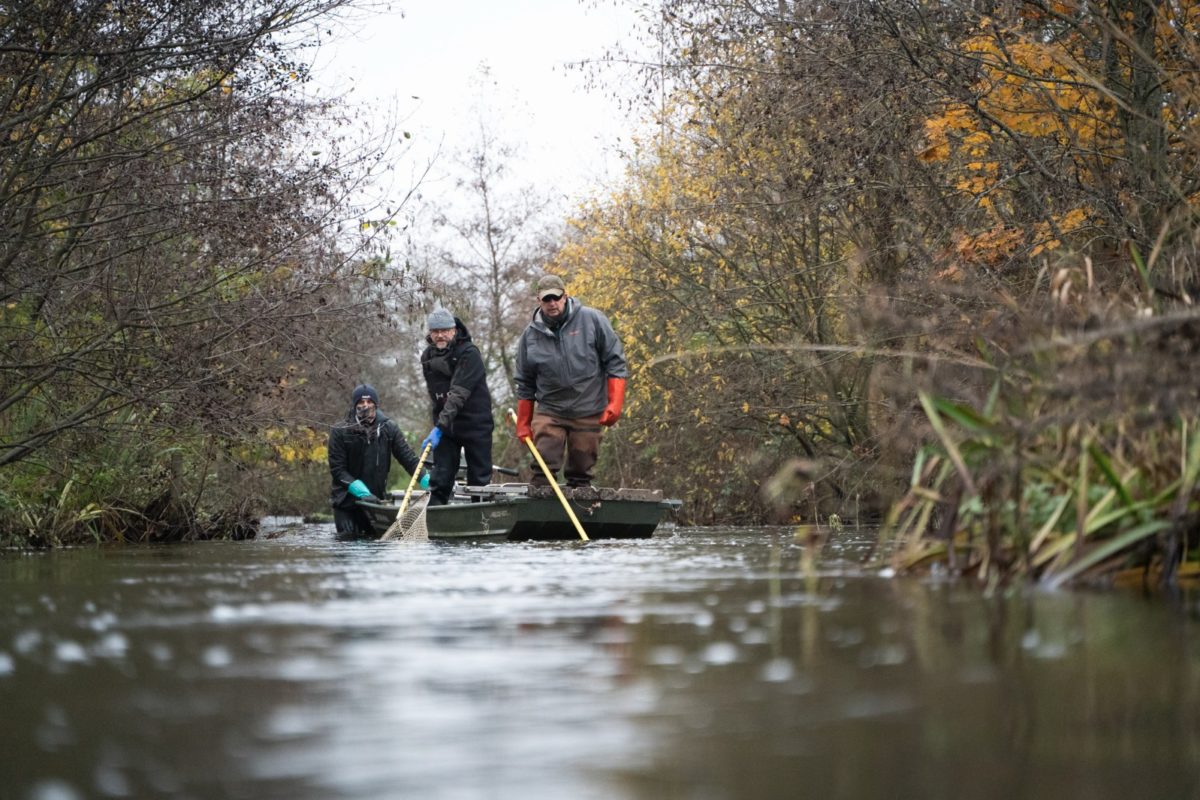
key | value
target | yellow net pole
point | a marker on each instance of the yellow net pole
(553, 483)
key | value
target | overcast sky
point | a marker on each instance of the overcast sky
(433, 50)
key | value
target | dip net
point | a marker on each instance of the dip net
(410, 525)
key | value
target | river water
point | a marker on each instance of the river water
(701, 664)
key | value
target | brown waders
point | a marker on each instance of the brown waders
(579, 438)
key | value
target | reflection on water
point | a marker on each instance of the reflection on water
(700, 664)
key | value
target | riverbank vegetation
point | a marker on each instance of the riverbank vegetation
(934, 262)
(178, 281)
(931, 265)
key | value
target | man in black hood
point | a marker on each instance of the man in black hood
(360, 455)
(461, 406)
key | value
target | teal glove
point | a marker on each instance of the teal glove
(359, 489)
(425, 481)
(434, 437)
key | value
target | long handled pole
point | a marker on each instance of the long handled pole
(553, 483)
(388, 534)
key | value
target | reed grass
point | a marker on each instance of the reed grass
(138, 480)
(1065, 507)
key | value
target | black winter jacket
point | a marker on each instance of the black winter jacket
(458, 392)
(360, 452)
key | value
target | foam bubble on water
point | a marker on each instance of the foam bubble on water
(70, 653)
(721, 653)
(288, 723)
(777, 670)
(54, 789)
(112, 645)
(228, 613)
(26, 642)
(306, 668)
(755, 636)
(665, 656)
(111, 781)
(160, 652)
(102, 621)
(217, 656)
(223, 613)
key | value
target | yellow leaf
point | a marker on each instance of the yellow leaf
(936, 152)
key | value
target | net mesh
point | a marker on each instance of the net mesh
(410, 526)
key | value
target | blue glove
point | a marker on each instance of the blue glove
(425, 481)
(359, 489)
(434, 437)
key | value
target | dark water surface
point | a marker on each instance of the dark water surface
(700, 664)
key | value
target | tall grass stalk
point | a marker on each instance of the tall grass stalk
(1108, 517)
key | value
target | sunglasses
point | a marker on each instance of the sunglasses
(552, 298)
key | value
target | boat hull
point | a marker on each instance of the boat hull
(617, 514)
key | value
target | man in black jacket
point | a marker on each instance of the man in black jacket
(461, 405)
(360, 455)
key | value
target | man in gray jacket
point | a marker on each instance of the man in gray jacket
(570, 378)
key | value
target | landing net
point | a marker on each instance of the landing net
(410, 526)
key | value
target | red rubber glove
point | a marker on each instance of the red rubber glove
(524, 419)
(616, 399)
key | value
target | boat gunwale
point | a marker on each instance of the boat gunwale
(516, 504)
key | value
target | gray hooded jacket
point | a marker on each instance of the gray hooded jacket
(566, 370)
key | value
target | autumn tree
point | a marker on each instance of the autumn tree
(770, 202)
(1062, 122)
(481, 245)
(1064, 142)
(170, 257)
(950, 244)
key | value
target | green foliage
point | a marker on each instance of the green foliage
(174, 278)
(1089, 510)
(894, 235)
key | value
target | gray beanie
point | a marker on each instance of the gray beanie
(440, 319)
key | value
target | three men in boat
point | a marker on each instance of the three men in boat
(570, 383)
